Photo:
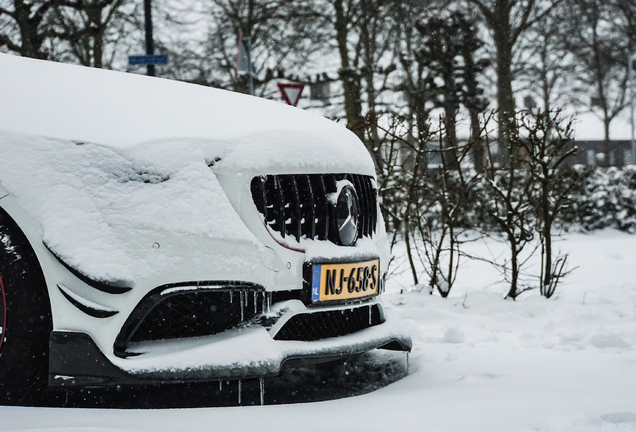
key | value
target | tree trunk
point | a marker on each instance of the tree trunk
(368, 43)
(94, 15)
(30, 40)
(450, 142)
(409, 253)
(478, 153)
(505, 96)
(547, 237)
(514, 267)
(545, 79)
(607, 144)
(350, 78)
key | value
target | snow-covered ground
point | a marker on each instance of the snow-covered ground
(480, 363)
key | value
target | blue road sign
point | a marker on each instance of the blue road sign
(147, 59)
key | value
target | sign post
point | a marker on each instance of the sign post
(150, 59)
(630, 84)
(244, 61)
(150, 43)
(291, 92)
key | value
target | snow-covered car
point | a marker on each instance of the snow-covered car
(155, 231)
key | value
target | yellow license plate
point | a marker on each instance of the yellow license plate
(345, 281)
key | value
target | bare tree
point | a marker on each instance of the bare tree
(547, 65)
(364, 32)
(87, 29)
(548, 145)
(25, 25)
(507, 200)
(507, 21)
(416, 81)
(600, 53)
(450, 47)
(345, 14)
(440, 227)
(402, 185)
(202, 43)
(627, 23)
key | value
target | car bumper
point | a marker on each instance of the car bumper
(75, 360)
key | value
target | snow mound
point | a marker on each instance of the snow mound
(608, 340)
(454, 335)
(622, 417)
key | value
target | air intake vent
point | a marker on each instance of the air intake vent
(298, 206)
(175, 313)
(328, 324)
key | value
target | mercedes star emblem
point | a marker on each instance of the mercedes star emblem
(347, 216)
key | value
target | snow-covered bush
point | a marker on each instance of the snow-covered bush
(605, 198)
(602, 198)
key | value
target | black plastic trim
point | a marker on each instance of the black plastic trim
(98, 285)
(76, 361)
(95, 313)
(154, 297)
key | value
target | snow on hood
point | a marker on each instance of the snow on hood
(122, 109)
(107, 161)
(101, 209)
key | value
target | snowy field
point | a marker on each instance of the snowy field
(480, 363)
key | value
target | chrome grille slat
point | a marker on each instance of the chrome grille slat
(296, 198)
(312, 208)
(323, 209)
(281, 218)
(297, 205)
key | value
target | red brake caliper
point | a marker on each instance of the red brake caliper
(3, 312)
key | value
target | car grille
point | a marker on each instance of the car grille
(298, 206)
(172, 314)
(328, 324)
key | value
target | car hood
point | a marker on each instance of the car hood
(118, 217)
(120, 170)
(122, 110)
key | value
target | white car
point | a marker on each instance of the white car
(154, 231)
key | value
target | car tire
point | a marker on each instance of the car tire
(25, 317)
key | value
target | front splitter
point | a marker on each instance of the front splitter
(76, 361)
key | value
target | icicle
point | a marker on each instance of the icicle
(262, 384)
(264, 309)
(220, 385)
(370, 310)
(255, 302)
(241, 302)
(240, 389)
(247, 298)
(231, 295)
(269, 301)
